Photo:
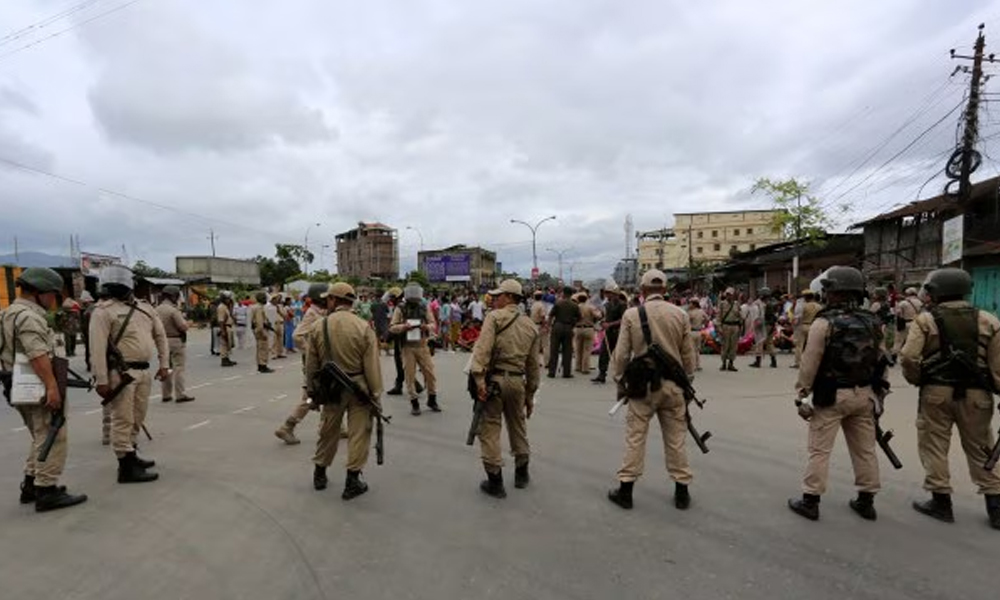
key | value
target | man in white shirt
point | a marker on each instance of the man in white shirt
(476, 308)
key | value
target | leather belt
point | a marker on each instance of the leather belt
(176, 337)
(507, 373)
(137, 366)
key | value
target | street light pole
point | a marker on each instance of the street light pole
(534, 231)
(560, 253)
(419, 235)
(305, 247)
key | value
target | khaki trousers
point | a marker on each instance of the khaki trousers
(225, 342)
(730, 339)
(766, 343)
(583, 343)
(359, 433)
(801, 331)
(178, 359)
(901, 338)
(510, 406)
(695, 337)
(278, 344)
(37, 420)
(415, 355)
(852, 412)
(128, 411)
(936, 414)
(667, 405)
(263, 352)
(544, 343)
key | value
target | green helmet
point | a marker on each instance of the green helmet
(764, 292)
(316, 291)
(261, 297)
(172, 291)
(948, 283)
(41, 279)
(843, 279)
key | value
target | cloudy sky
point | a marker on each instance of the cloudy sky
(257, 119)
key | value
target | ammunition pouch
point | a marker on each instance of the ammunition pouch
(324, 387)
(901, 324)
(824, 393)
(641, 377)
(492, 387)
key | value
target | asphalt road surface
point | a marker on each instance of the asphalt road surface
(234, 515)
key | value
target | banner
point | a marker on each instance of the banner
(448, 267)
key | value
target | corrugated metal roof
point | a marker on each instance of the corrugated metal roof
(983, 189)
(164, 281)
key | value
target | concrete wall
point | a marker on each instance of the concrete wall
(218, 269)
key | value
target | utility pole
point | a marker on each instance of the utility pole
(211, 237)
(971, 119)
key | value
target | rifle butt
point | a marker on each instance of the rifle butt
(58, 421)
(477, 414)
(993, 456)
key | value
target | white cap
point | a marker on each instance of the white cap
(86, 297)
(116, 275)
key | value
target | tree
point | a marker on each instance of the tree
(295, 252)
(284, 266)
(419, 277)
(801, 215)
(142, 269)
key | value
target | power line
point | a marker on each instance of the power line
(71, 27)
(19, 33)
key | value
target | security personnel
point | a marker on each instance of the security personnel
(175, 327)
(278, 326)
(87, 301)
(134, 327)
(766, 312)
(839, 365)
(506, 354)
(953, 354)
(227, 324)
(698, 321)
(584, 333)
(729, 323)
(315, 314)
(260, 325)
(413, 314)
(393, 298)
(562, 319)
(670, 328)
(354, 347)
(539, 316)
(810, 308)
(614, 308)
(26, 332)
(907, 310)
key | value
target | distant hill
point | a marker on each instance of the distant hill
(39, 259)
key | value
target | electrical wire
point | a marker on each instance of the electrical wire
(34, 27)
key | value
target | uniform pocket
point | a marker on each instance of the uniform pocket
(982, 402)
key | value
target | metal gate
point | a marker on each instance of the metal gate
(986, 288)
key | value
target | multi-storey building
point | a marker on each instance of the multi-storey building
(459, 264)
(371, 250)
(707, 238)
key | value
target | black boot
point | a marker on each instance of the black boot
(432, 403)
(807, 506)
(774, 362)
(732, 367)
(938, 507)
(682, 497)
(28, 489)
(145, 464)
(493, 485)
(623, 495)
(397, 390)
(756, 363)
(129, 471)
(319, 478)
(415, 407)
(264, 369)
(521, 477)
(354, 487)
(419, 387)
(56, 497)
(601, 378)
(993, 509)
(864, 505)
(228, 363)
(725, 365)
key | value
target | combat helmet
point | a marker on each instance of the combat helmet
(842, 279)
(116, 275)
(948, 283)
(316, 291)
(413, 291)
(172, 291)
(41, 279)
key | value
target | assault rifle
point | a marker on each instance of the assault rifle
(672, 370)
(492, 390)
(994, 455)
(340, 379)
(881, 387)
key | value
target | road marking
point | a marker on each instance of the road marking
(197, 425)
(200, 385)
(243, 410)
(233, 378)
(91, 412)
(199, 356)
(16, 429)
(276, 398)
(280, 367)
(155, 397)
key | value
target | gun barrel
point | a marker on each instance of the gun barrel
(58, 421)
(379, 442)
(993, 455)
(477, 415)
(883, 437)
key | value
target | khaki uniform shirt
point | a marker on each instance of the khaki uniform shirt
(173, 319)
(355, 349)
(698, 318)
(301, 335)
(908, 308)
(258, 320)
(34, 337)
(588, 315)
(225, 316)
(809, 311)
(515, 350)
(143, 336)
(729, 313)
(538, 313)
(398, 324)
(669, 327)
(923, 340)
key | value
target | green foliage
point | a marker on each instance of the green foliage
(284, 266)
(295, 252)
(419, 277)
(142, 269)
(802, 215)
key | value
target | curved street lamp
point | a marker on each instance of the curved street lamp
(305, 247)
(534, 231)
(560, 253)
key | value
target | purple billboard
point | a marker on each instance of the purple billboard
(448, 267)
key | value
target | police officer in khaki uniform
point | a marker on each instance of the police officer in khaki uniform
(227, 325)
(698, 321)
(26, 334)
(839, 365)
(956, 389)
(413, 314)
(278, 344)
(810, 308)
(670, 328)
(135, 328)
(562, 319)
(729, 323)
(584, 333)
(540, 317)
(175, 327)
(315, 314)
(354, 347)
(907, 309)
(506, 354)
(260, 325)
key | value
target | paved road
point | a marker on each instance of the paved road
(234, 514)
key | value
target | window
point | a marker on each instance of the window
(715, 233)
(701, 234)
(716, 247)
(733, 248)
(749, 230)
(753, 247)
(736, 233)
(700, 250)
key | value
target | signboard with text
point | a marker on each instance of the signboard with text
(951, 240)
(448, 267)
